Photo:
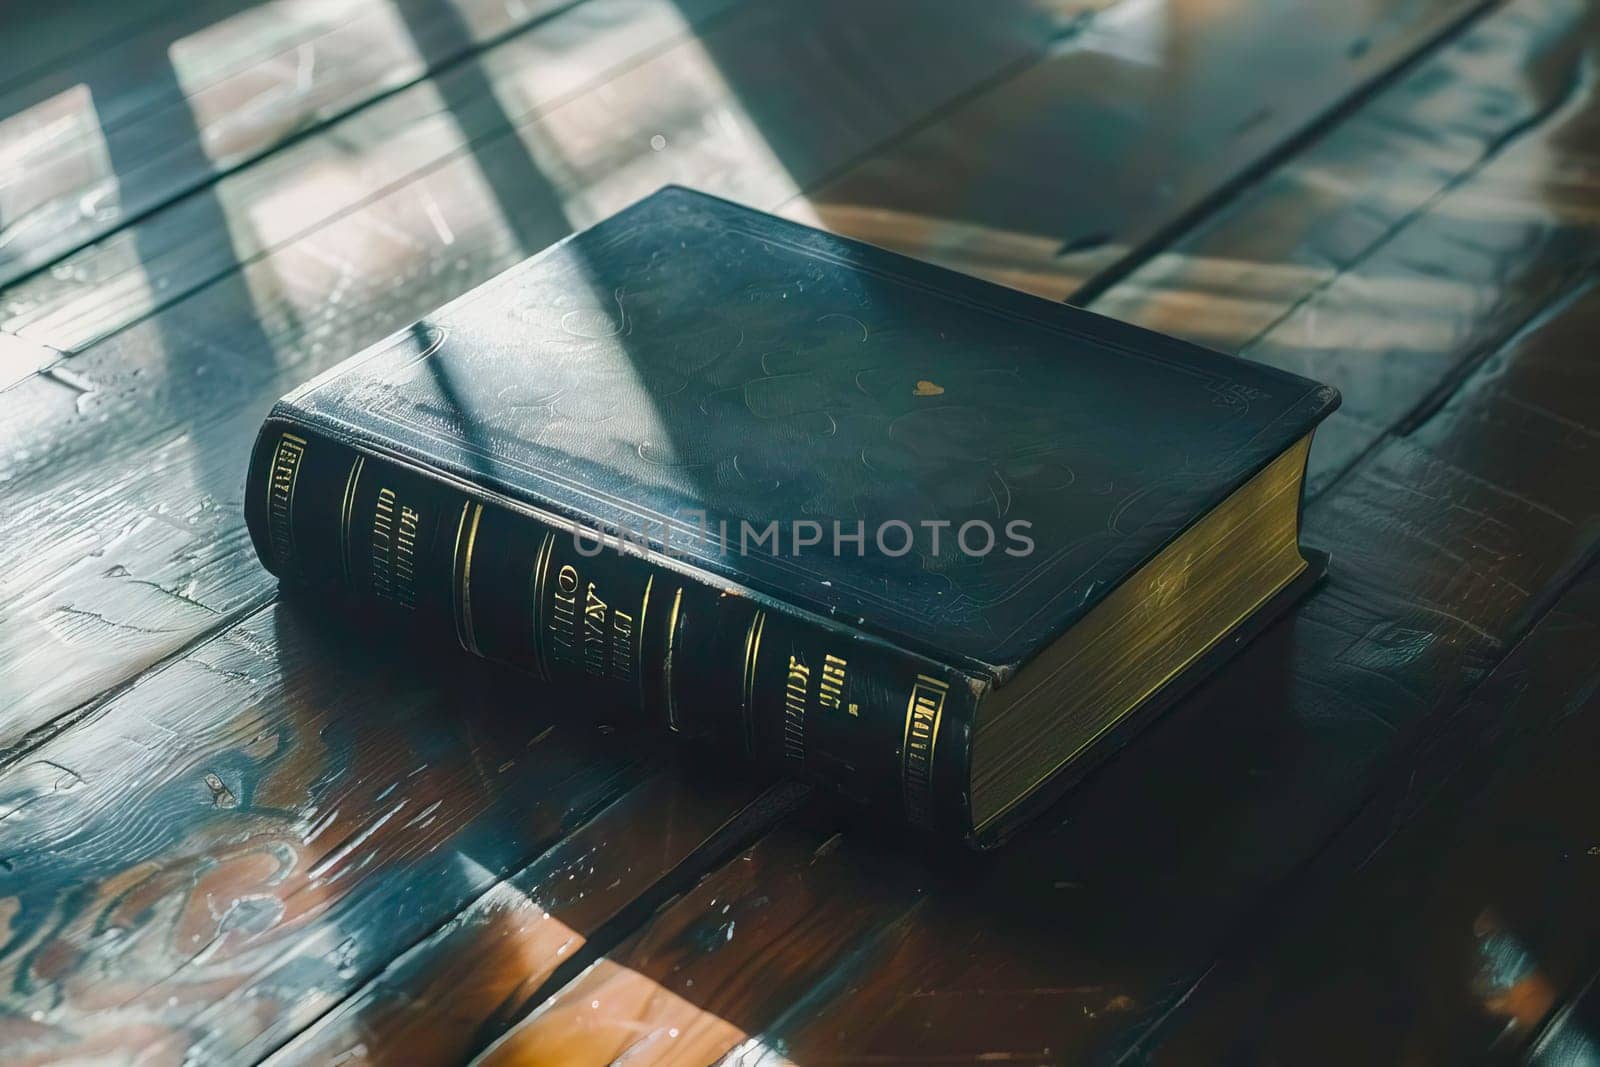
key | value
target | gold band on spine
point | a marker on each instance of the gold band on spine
(752, 652)
(666, 662)
(541, 570)
(644, 610)
(281, 480)
(463, 574)
(924, 711)
(347, 515)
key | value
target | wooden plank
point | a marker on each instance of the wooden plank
(1569, 1040)
(1080, 160)
(20, 358)
(1452, 921)
(1424, 1001)
(202, 92)
(454, 990)
(57, 34)
(1391, 295)
(242, 837)
(731, 953)
(155, 262)
(1076, 942)
(698, 53)
(130, 453)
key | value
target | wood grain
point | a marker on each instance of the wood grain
(453, 991)
(1080, 160)
(240, 839)
(58, 34)
(1392, 295)
(735, 951)
(1568, 1040)
(200, 92)
(156, 261)
(1455, 918)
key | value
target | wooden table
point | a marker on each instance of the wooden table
(230, 832)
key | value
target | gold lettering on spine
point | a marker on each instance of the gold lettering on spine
(752, 652)
(466, 531)
(405, 558)
(795, 688)
(564, 611)
(594, 632)
(281, 480)
(541, 573)
(924, 711)
(394, 550)
(831, 693)
(383, 544)
(666, 662)
(347, 515)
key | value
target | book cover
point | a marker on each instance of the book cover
(750, 479)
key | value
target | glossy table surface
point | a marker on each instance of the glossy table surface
(233, 831)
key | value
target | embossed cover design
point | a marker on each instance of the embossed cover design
(690, 355)
(690, 373)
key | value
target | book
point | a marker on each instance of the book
(936, 544)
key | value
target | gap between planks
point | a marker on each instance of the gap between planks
(1174, 231)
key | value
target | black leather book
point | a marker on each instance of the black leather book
(927, 540)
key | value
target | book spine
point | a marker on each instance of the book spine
(624, 633)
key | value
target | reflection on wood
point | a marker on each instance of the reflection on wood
(1066, 168)
(57, 35)
(157, 261)
(233, 844)
(1387, 289)
(20, 358)
(741, 947)
(1453, 937)
(1261, 256)
(1572, 1036)
(252, 75)
(488, 965)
